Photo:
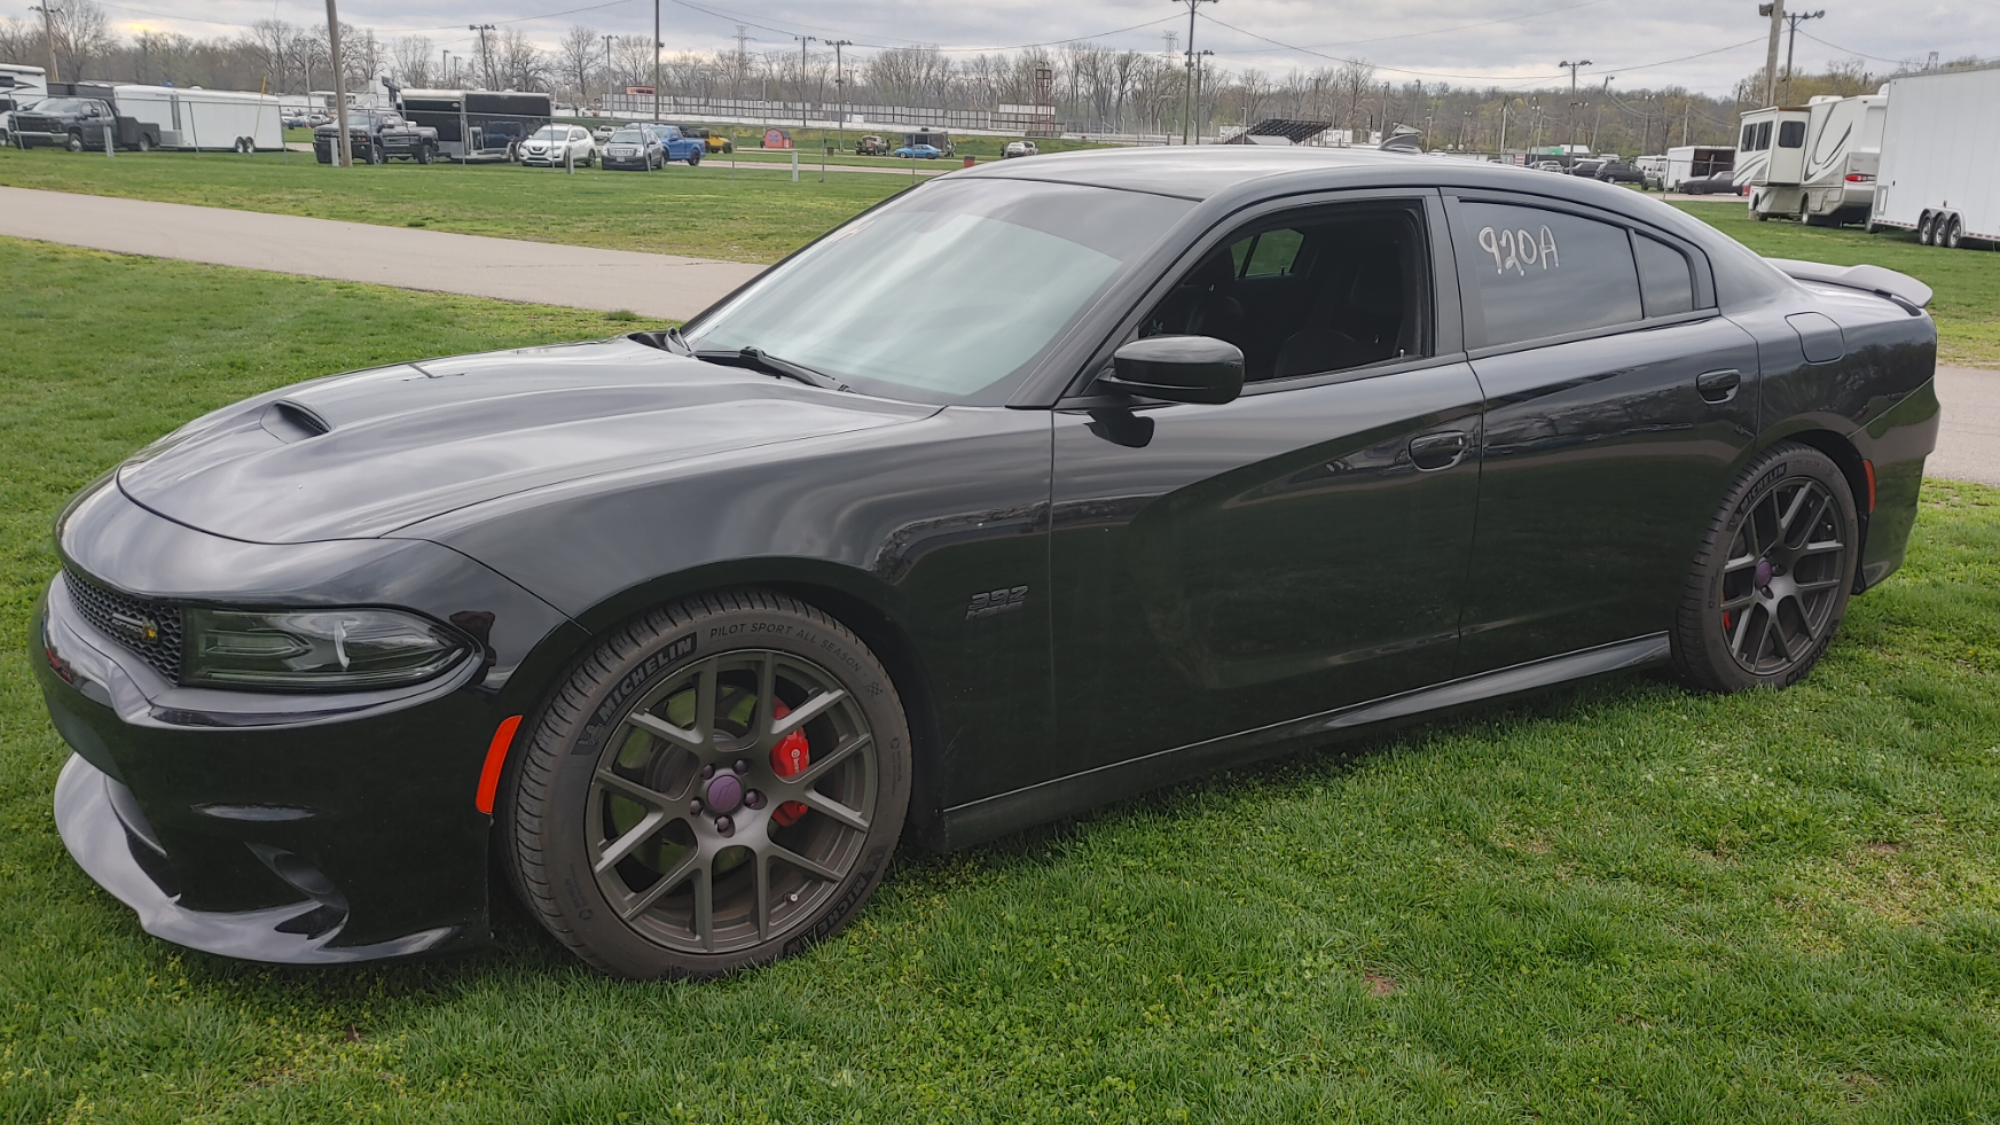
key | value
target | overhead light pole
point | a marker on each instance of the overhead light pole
(656, 61)
(803, 40)
(1573, 67)
(840, 87)
(1188, 131)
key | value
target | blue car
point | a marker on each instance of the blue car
(679, 145)
(919, 152)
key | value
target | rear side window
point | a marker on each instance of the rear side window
(1763, 135)
(1664, 277)
(1792, 134)
(1749, 137)
(1546, 273)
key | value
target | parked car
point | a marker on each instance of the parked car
(1549, 166)
(715, 142)
(377, 136)
(634, 150)
(678, 145)
(919, 152)
(553, 146)
(602, 134)
(1618, 172)
(682, 630)
(871, 145)
(1717, 183)
(78, 124)
(1019, 149)
(1586, 168)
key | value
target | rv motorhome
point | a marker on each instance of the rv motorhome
(1815, 162)
(19, 86)
(1940, 170)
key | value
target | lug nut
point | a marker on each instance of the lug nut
(694, 808)
(725, 825)
(754, 799)
(707, 772)
(742, 765)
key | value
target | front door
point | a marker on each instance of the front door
(1220, 568)
(1618, 402)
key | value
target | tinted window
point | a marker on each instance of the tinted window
(1664, 277)
(1544, 273)
(1763, 135)
(1749, 136)
(1791, 134)
(1272, 253)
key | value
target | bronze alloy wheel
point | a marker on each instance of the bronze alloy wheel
(718, 785)
(1773, 576)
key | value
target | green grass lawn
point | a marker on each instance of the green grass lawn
(754, 216)
(1967, 305)
(1622, 902)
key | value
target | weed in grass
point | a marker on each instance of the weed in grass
(1617, 902)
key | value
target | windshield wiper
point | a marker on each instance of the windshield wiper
(759, 360)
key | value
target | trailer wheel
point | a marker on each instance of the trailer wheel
(1954, 233)
(1924, 228)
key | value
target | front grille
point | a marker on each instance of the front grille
(149, 628)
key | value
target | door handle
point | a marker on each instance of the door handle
(1718, 386)
(1431, 452)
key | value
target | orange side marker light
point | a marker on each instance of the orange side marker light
(1868, 470)
(496, 759)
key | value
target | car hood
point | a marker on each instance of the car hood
(363, 454)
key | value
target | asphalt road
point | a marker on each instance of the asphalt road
(654, 285)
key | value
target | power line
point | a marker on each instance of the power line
(1447, 30)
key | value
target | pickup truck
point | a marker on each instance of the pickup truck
(679, 145)
(376, 137)
(79, 124)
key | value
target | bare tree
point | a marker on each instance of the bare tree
(1353, 84)
(576, 56)
(363, 55)
(82, 37)
(414, 55)
(519, 64)
(632, 61)
(21, 40)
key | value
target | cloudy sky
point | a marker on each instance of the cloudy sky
(1704, 44)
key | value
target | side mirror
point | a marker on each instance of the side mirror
(1178, 369)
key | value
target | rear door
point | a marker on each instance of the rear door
(1221, 568)
(1618, 402)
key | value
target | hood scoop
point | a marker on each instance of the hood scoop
(290, 422)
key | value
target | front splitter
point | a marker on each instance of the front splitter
(100, 842)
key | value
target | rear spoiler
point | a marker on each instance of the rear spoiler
(1901, 288)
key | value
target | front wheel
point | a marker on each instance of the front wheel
(75, 143)
(718, 785)
(145, 143)
(1771, 581)
(426, 155)
(694, 158)
(375, 154)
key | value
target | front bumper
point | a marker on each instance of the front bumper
(278, 827)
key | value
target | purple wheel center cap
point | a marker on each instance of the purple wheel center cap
(725, 793)
(1763, 573)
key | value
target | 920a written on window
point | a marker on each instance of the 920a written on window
(1545, 273)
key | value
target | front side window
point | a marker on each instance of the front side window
(1763, 135)
(1749, 137)
(1343, 289)
(948, 293)
(1543, 273)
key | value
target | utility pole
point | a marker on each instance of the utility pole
(608, 41)
(1199, 67)
(1598, 121)
(345, 157)
(1791, 40)
(803, 40)
(1503, 126)
(656, 60)
(1189, 134)
(1776, 10)
(49, 14)
(840, 86)
(485, 56)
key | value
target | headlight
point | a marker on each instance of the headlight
(315, 650)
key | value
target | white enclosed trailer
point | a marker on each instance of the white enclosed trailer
(194, 118)
(1940, 167)
(1692, 162)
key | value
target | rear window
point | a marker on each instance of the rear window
(1546, 273)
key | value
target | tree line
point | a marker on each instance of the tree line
(1093, 89)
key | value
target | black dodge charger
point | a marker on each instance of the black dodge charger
(1176, 459)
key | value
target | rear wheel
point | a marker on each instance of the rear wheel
(1771, 581)
(1926, 228)
(719, 784)
(1954, 233)
(145, 143)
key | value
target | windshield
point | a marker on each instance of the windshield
(627, 137)
(948, 293)
(550, 133)
(59, 105)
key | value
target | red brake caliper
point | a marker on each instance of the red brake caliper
(789, 758)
